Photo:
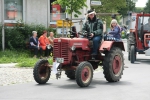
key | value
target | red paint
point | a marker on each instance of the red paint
(116, 64)
(56, 12)
(85, 74)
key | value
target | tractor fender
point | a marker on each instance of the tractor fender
(107, 45)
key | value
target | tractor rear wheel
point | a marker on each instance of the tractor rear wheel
(70, 74)
(132, 54)
(84, 74)
(41, 71)
(113, 65)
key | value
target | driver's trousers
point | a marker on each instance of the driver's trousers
(96, 44)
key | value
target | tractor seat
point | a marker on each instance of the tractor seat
(110, 38)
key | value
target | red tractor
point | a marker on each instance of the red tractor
(139, 38)
(73, 55)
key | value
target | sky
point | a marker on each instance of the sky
(141, 3)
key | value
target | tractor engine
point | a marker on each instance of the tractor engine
(71, 51)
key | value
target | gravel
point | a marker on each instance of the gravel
(12, 75)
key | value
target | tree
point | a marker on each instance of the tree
(147, 8)
(72, 6)
(138, 9)
(130, 6)
(109, 6)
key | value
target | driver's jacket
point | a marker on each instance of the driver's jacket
(94, 26)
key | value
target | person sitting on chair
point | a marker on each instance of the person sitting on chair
(51, 38)
(34, 44)
(45, 44)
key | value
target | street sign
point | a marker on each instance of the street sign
(96, 3)
(66, 23)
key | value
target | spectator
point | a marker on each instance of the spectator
(44, 43)
(51, 38)
(34, 44)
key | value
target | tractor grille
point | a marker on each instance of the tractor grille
(64, 51)
(61, 50)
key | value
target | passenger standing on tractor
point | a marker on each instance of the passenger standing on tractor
(94, 28)
(115, 30)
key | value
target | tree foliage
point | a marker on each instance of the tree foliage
(147, 8)
(109, 6)
(130, 6)
(72, 6)
(138, 9)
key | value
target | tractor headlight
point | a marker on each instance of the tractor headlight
(73, 48)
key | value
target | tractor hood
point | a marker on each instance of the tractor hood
(77, 42)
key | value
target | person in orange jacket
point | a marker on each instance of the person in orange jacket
(44, 43)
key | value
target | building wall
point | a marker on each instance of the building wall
(0, 11)
(36, 12)
(83, 11)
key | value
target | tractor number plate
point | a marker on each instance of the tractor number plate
(60, 60)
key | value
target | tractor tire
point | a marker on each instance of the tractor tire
(41, 71)
(113, 65)
(128, 56)
(132, 54)
(84, 74)
(70, 74)
(131, 39)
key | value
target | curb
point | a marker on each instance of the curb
(9, 65)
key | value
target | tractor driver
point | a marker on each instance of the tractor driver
(147, 26)
(94, 28)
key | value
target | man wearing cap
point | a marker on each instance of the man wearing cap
(94, 28)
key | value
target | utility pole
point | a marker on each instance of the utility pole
(3, 31)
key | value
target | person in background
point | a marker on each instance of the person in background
(51, 38)
(147, 25)
(34, 44)
(44, 43)
(115, 30)
(113, 16)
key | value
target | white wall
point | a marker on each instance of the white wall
(83, 11)
(36, 11)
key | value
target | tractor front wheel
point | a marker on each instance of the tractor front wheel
(84, 74)
(113, 65)
(41, 71)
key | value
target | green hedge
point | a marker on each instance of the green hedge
(16, 37)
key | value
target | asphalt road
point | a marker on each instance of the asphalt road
(134, 85)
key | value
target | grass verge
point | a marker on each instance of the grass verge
(22, 57)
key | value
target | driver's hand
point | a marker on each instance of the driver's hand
(91, 35)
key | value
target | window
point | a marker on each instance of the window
(13, 10)
(56, 12)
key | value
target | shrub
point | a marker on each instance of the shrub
(16, 37)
